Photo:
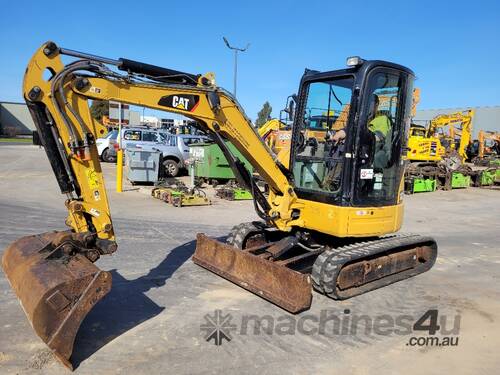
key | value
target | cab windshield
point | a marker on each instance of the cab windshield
(320, 150)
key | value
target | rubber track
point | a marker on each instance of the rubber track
(240, 232)
(327, 266)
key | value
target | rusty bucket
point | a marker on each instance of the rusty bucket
(282, 286)
(56, 291)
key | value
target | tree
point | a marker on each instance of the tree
(99, 108)
(264, 114)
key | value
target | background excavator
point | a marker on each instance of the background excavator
(454, 131)
(437, 152)
(327, 223)
(276, 134)
(484, 152)
(486, 148)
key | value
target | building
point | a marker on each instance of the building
(151, 121)
(182, 122)
(485, 118)
(167, 123)
(15, 119)
(135, 118)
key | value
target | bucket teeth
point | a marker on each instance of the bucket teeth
(56, 293)
(282, 286)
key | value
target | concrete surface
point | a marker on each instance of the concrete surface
(150, 322)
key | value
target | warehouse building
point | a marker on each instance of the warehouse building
(485, 118)
(15, 119)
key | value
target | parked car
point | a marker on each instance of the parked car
(105, 146)
(174, 147)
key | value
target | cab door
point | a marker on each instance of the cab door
(318, 158)
(381, 137)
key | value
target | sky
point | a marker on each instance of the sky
(452, 46)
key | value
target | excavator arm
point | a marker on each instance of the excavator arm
(60, 106)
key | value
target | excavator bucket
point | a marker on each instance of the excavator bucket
(282, 286)
(56, 290)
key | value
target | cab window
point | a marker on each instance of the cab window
(149, 137)
(168, 139)
(189, 141)
(132, 135)
(112, 134)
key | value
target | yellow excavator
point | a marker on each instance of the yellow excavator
(489, 144)
(421, 145)
(276, 135)
(437, 151)
(454, 130)
(328, 222)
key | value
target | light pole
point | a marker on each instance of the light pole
(119, 153)
(236, 50)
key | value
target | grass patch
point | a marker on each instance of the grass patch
(16, 140)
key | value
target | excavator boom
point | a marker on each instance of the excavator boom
(53, 274)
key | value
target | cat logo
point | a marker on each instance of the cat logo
(182, 102)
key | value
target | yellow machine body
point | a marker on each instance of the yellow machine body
(61, 263)
(422, 147)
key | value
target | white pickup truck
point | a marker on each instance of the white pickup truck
(174, 147)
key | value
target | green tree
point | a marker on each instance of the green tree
(99, 108)
(264, 114)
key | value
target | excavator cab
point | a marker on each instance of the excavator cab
(362, 167)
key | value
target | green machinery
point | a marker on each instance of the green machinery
(232, 192)
(460, 180)
(486, 177)
(420, 185)
(179, 195)
(211, 166)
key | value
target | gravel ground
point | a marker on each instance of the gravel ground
(151, 320)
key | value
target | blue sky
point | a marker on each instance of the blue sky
(453, 46)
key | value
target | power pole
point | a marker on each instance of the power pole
(236, 50)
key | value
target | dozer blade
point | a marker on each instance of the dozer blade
(56, 292)
(282, 286)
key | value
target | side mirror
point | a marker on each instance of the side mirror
(291, 109)
(291, 106)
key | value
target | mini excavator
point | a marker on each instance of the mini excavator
(328, 222)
